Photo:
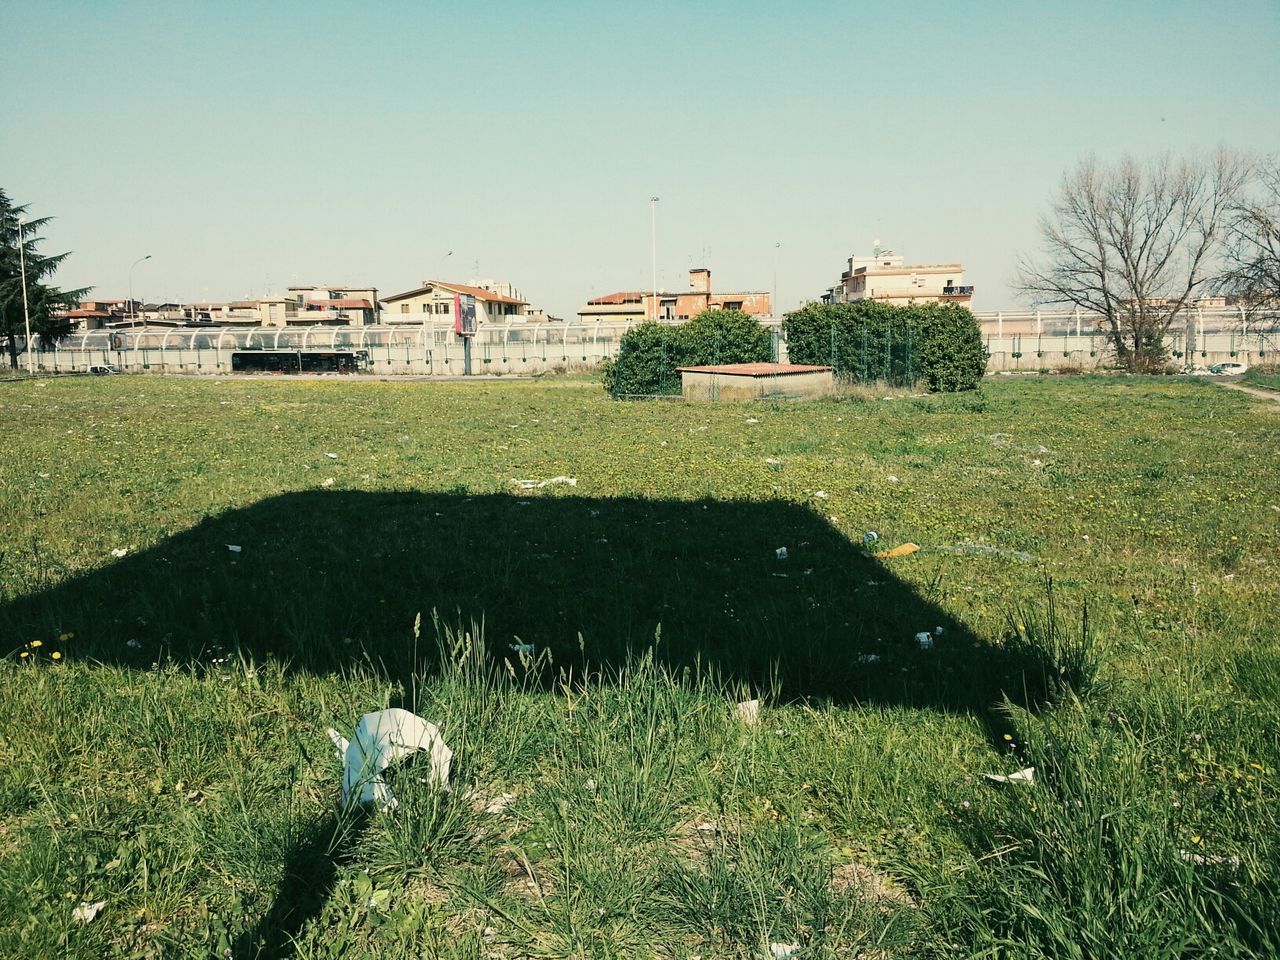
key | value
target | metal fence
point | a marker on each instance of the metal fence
(1027, 340)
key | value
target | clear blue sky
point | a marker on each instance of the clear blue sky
(250, 145)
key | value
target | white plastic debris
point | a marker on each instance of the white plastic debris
(119, 552)
(379, 740)
(332, 456)
(500, 803)
(869, 658)
(133, 644)
(327, 482)
(1210, 860)
(752, 420)
(772, 461)
(781, 553)
(870, 537)
(937, 631)
(233, 547)
(783, 951)
(87, 911)
(1026, 775)
(748, 711)
(925, 640)
(525, 648)
(820, 494)
(550, 482)
(892, 479)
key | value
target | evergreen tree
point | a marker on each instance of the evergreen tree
(45, 303)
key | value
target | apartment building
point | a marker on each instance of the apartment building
(887, 276)
(639, 305)
(435, 302)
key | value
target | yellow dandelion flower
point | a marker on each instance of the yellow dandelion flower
(37, 643)
(1196, 839)
(1008, 736)
(56, 655)
(24, 654)
(64, 637)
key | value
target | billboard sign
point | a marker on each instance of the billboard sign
(464, 312)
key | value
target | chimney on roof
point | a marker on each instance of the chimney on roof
(700, 280)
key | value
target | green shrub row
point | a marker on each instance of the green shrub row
(650, 353)
(937, 344)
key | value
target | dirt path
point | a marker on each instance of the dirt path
(1252, 391)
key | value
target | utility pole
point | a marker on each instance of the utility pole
(653, 242)
(26, 311)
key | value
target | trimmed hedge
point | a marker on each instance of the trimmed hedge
(937, 344)
(649, 353)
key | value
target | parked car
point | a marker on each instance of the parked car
(103, 370)
(1229, 369)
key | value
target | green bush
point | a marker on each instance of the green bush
(650, 353)
(646, 362)
(723, 336)
(939, 344)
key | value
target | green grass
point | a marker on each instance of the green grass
(172, 760)
(1266, 376)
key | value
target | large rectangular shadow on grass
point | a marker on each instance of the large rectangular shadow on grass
(325, 580)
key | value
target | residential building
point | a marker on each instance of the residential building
(886, 276)
(640, 305)
(433, 302)
(357, 306)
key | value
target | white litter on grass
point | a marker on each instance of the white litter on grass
(891, 478)
(820, 494)
(234, 547)
(783, 951)
(937, 631)
(924, 640)
(327, 482)
(772, 461)
(380, 739)
(870, 537)
(332, 456)
(1026, 775)
(869, 658)
(45, 476)
(498, 804)
(539, 484)
(748, 711)
(133, 645)
(119, 552)
(526, 648)
(87, 911)
(1210, 860)
(781, 553)
(752, 420)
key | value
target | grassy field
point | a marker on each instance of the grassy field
(163, 698)
(1263, 375)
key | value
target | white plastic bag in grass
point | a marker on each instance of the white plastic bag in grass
(380, 739)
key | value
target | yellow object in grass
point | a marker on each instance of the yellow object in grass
(901, 550)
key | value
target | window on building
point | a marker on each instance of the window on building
(404, 308)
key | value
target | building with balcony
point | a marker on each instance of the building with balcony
(886, 276)
(435, 302)
(639, 305)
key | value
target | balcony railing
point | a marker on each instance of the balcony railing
(958, 291)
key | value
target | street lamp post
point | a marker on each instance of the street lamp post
(133, 312)
(26, 311)
(653, 242)
(773, 307)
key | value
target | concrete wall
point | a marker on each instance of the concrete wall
(696, 385)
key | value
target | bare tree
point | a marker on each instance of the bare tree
(1252, 268)
(1134, 243)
